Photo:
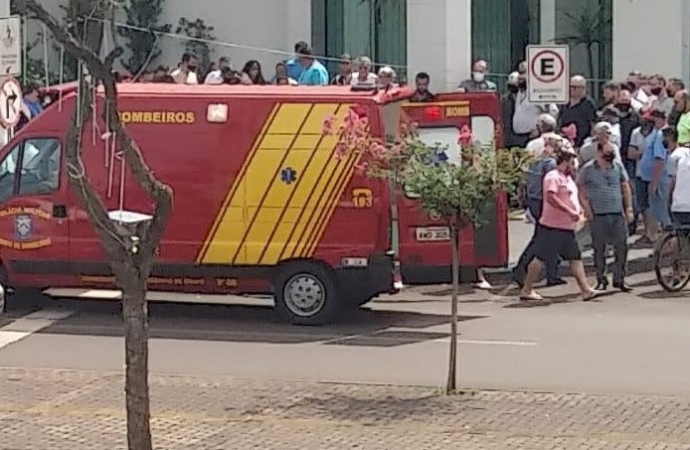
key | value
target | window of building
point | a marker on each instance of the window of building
(501, 30)
(373, 28)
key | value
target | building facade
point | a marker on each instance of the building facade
(608, 38)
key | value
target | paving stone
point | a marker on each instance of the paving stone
(65, 410)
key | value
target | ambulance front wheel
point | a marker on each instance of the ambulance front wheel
(306, 294)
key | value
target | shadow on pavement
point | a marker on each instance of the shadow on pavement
(661, 294)
(251, 324)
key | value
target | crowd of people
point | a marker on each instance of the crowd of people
(303, 69)
(601, 169)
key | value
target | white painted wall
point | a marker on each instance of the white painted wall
(648, 35)
(439, 34)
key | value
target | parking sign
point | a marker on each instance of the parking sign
(548, 73)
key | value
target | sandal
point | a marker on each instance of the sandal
(591, 295)
(532, 297)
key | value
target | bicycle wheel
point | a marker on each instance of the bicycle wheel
(672, 261)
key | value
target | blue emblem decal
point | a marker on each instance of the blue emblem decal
(441, 157)
(288, 175)
(23, 226)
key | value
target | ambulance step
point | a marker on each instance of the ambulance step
(158, 296)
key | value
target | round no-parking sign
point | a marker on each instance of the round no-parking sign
(10, 102)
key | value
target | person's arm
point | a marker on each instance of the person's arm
(625, 188)
(659, 154)
(672, 173)
(553, 110)
(582, 193)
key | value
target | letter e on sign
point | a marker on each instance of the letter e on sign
(548, 73)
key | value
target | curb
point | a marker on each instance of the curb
(504, 277)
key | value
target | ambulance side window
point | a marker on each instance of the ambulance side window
(40, 173)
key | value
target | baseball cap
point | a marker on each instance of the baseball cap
(513, 78)
(603, 127)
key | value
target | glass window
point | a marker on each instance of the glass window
(40, 172)
(8, 167)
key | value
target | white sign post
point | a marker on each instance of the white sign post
(10, 102)
(10, 46)
(548, 73)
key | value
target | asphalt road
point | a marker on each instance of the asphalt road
(624, 343)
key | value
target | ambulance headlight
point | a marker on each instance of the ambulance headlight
(217, 113)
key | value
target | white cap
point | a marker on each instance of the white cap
(513, 78)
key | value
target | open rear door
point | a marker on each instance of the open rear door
(425, 250)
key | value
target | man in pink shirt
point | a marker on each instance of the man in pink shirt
(555, 235)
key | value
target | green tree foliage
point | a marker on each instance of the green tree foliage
(143, 45)
(200, 35)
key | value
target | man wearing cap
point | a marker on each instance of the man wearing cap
(652, 172)
(561, 216)
(601, 136)
(605, 196)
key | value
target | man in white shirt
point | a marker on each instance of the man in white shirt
(216, 76)
(186, 72)
(546, 126)
(678, 167)
(527, 113)
(363, 77)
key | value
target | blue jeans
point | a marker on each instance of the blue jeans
(658, 205)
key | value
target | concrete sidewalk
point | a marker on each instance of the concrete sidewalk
(65, 410)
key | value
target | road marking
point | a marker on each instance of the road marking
(30, 324)
(488, 342)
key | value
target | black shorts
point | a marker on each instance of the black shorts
(551, 243)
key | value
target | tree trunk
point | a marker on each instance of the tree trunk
(135, 315)
(451, 385)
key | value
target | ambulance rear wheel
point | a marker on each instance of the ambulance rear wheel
(306, 294)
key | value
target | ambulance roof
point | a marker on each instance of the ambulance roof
(269, 91)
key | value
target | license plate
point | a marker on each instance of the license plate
(431, 234)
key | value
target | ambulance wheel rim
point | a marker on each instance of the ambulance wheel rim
(304, 295)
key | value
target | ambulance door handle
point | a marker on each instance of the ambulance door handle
(59, 211)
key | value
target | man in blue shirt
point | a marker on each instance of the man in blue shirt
(314, 74)
(292, 66)
(651, 170)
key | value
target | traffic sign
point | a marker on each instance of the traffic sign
(10, 102)
(548, 73)
(10, 46)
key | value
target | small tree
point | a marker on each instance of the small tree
(130, 249)
(200, 35)
(143, 44)
(456, 192)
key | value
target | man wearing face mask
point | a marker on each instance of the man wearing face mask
(674, 85)
(186, 71)
(561, 216)
(661, 100)
(478, 82)
(508, 109)
(527, 114)
(605, 196)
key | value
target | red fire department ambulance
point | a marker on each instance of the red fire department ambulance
(261, 204)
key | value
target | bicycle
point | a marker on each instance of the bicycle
(673, 247)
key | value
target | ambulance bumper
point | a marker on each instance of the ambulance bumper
(367, 282)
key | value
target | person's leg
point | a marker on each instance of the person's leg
(658, 204)
(482, 282)
(642, 190)
(618, 236)
(527, 255)
(598, 229)
(543, 250)
(570, 251)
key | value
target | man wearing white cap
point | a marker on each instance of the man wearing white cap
(601, 136)
(508, 108)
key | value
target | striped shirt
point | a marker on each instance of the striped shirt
(603, 186)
